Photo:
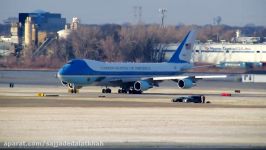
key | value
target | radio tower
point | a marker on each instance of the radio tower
(137, 13)
(162, 11)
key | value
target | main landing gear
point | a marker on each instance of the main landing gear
(130, 91)
(122, 91)
(106, 90)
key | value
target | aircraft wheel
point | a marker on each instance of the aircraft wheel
(108, 90)
(103, 90)
(136, 92)
(124, 91)
(130, 91)
(120, 91)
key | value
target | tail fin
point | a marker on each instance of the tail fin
(184, 51)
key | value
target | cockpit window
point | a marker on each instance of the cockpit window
(70, 62)
(73, 61)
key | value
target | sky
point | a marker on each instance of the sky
(199, 12)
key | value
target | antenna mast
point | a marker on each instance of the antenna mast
(162, 11)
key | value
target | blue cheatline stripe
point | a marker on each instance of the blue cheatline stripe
(175, 58)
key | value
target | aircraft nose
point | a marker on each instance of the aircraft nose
(60, 72)
(63, 70)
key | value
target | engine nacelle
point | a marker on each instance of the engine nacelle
(142, 85)
(185, 83)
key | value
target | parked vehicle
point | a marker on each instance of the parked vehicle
(190, 99)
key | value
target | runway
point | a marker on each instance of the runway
(24, 95)
(149, 120)
(149, 99)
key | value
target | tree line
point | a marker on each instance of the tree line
(120, 43)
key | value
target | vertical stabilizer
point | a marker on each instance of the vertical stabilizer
(185, 49)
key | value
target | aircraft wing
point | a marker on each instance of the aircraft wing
(184, 77)
(164, 78)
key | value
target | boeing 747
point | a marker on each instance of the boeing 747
(132, 78)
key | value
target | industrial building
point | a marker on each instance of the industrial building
(14, 31)
(243, 52)
(49, 22)
(229, 52)
(39, 25)
(6, 48)
(245, 39)
(63, 34)
(217, 53)
(8, 44)
(35, 29)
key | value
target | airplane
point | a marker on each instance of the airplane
(132, 78)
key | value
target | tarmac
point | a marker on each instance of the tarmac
(149, 120)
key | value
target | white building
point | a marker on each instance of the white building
(6, 48)
(224, 52)
(229, 52)
(245, 39)
(63, 34)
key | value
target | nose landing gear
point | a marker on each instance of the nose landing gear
(72, 88)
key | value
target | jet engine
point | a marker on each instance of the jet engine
(185, 83)
(142, 85)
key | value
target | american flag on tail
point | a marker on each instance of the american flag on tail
(188, 46)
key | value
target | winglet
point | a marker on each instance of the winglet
(184, 51)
